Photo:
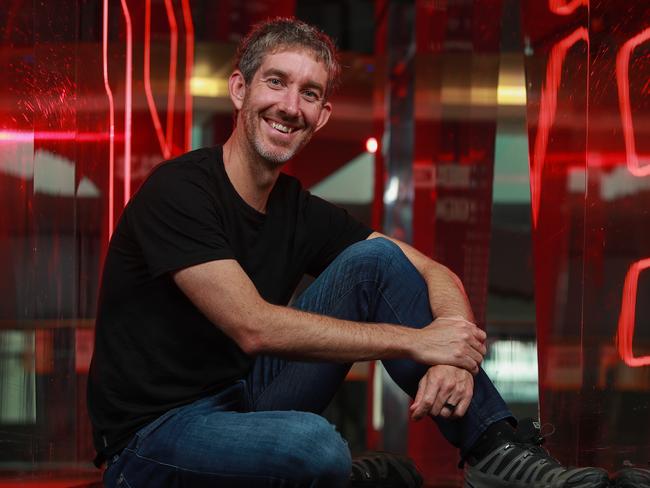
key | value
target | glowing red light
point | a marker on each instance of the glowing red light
(372, 145)
(111, 115)
(173, 59)
(561, 7)
(626, 320)
(623, 82)
(165, 145)
(30, 136)
(547, 109)
(128, 101)
(189, 63)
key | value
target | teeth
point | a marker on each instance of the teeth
(281, 128)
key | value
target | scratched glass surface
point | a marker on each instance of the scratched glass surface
(92, 100)
(76, 88)
(588, 100)
(455, 120)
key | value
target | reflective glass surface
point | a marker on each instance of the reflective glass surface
(587, 73)
(535, 190)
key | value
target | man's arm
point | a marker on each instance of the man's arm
(227, 297)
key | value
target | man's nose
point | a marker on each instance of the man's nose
(290, 102)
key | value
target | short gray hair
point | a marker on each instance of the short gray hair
(280, 33)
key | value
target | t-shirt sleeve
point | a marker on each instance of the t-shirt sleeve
(176, 221)
(330, 230)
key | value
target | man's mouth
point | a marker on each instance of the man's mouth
(280, 127)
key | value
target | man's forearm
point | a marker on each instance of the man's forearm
(303, 335)
(228, 298)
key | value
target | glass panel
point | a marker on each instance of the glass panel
(457, 70)
(587, 76)
(614, 425)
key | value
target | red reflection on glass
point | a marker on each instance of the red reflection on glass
(163, 138)
(128, 101)
(628, 311)
(547, 109)
(111, 115)
(189, 61)
(561, 7)
(30, 136)
(623, 82)
(173, 54)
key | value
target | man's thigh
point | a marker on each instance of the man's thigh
(279, 384)
(206, 447)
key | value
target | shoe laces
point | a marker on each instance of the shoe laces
(533, 435)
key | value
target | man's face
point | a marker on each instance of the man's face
(284, 104)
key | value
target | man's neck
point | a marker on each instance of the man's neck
(252, 178)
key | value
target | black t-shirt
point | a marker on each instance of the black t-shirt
(154, 350)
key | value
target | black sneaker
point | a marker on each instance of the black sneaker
(632, 478)
(525, 463)
(384, 470)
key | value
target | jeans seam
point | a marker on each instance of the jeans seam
(123, 478)
(208, 473)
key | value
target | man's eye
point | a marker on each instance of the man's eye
(274, 82)
(311, 95)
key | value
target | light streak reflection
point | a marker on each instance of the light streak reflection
(623, 83)
(626, 321)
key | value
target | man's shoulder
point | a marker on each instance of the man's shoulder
(186, 174)
(198, 160)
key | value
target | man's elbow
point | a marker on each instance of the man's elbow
(251, 335)
(252, 343)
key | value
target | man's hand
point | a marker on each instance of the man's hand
(442, 385)
(452, 341)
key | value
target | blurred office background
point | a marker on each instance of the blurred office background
(508, 139)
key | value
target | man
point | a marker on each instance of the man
(202, 376)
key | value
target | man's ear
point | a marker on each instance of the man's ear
(237, 88)
(324, 116)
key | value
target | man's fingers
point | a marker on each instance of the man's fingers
(438, 405)
(466, 362)
(479, 347)
(475, 355)
(480, 334)
(425, 398)
(418, 394)
(462, 406)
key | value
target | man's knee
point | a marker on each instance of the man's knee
(318, 452)
(380, 251)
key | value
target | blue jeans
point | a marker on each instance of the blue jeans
(265, 429)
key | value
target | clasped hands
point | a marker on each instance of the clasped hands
(456, 348)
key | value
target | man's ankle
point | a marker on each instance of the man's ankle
(496, 434)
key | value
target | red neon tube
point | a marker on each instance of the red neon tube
(561, 7)
(623, 82)
(111, 115)
(128, 109)
(547, 110)
(166, 151)
(189, 66)
(173, 59)
(626, 321)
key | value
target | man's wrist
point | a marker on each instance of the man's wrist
(406, 345)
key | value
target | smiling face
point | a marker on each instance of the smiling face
(283, 105)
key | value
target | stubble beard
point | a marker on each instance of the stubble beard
(274, 157)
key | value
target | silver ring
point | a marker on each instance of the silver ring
(449, 406)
